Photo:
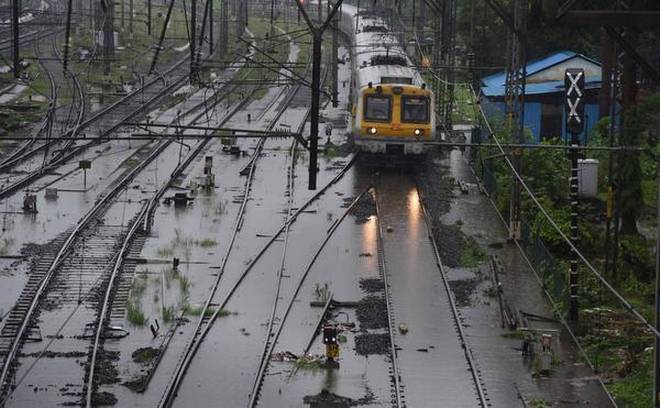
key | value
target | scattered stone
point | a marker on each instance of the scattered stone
(372, 313)
(463, 290)
(423, 350)
(138, 384)
(389, 228)
(371, 343)
(145, 355)
(363, 209)
(106, 372)
(403, 329)
(103, 398)
(371, 285)
(365, 255)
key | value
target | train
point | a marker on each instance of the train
(392, 110)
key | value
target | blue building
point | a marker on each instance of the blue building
(544, 94)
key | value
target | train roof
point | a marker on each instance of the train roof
(378, 57)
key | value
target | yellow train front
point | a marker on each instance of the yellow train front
(392, 109)
(393, 119)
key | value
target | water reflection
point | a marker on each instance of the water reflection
(413, 212)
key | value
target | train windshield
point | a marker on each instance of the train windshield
(377, 108)
(415, 109)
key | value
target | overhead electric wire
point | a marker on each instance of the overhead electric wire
(556, 227)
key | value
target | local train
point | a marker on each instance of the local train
(392, 110)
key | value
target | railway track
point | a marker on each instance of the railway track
(397, 387)
(104, 252)
(206, 319)
(474, 370)
(126, 108)
(272, 337)
(399, 271)
(21, 153)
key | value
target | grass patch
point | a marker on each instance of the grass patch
(309, 363)
(135, 314)
(145, 355)
(516, 335)
(206, 243)
(167, 313)
(184, 284)
(197, 311)
(473, 255)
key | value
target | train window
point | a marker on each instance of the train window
(377, 108)
(414, 109)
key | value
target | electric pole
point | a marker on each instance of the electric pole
(574, 107)
(193, 36)
(14, 28)
(656, 382)
(317, 36)
(515, 101)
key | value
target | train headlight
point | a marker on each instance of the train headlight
(372, 130)
(418, 132)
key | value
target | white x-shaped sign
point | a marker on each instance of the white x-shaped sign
(574, 83)
(572, 114)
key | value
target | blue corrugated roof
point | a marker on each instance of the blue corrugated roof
(494, 85)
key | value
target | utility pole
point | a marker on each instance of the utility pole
(193, 36)
(334, 55)
(67, 35)
(148, 17)
(130, 18)
(574, 107)
(656, 366)
(108, 34)
(15, 5)
(211, 27)
(515, 100)
(162, 37)
(317, 36)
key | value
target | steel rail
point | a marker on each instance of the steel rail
(59, 258)
(280, 272)
(17, 155)
(77, 150)
(382, 265)
(483, 400)
(137, 223)
(265, 359)
(193, 343)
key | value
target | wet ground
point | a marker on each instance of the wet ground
(431, 359)
(510, 378)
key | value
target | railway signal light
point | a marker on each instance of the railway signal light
(330, 339)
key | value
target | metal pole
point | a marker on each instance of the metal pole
(211, 27)
(15, 46)
(656, 383)
(130, 18)
(573, 276)
(612, 79)
(67, 34)
(334, 55)
(193, 36)
(148, 16)
(162, 37)
(357, 16)
(314, 115)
